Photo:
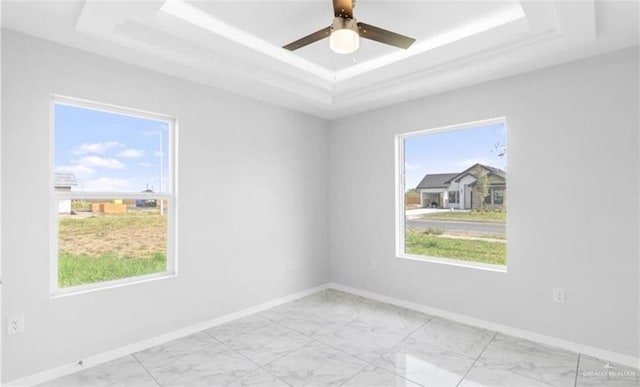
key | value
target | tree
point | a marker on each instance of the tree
(480, 190)
(412, 196)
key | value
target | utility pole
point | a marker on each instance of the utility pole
(161, 173)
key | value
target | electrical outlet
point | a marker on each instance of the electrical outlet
(15, 324)
(558, 295)
(374, 264)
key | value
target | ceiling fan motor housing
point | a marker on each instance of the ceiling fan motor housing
(341, 23)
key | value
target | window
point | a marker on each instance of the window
(113, 196)
(453, 197)
(466, 164)
(498, 195)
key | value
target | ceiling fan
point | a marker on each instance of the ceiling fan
(345, 32)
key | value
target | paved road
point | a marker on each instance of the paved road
(474, 227)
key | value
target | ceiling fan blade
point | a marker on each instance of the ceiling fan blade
(368, 31)
(343, 8)
(311, 38)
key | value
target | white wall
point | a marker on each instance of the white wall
(253, 198)
(572, 130)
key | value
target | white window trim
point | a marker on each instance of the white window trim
(171, 197)
(400, 191)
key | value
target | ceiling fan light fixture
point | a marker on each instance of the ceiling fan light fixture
(344, 37)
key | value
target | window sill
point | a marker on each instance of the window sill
(90, 288)
(455, 262)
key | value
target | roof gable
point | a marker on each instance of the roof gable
(490, 170)
(436, 180)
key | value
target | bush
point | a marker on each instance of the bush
(433, 231)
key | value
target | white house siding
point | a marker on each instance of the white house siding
(64, 206)
(466, 191)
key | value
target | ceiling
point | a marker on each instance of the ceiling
(236, 45)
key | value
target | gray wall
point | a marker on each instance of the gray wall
(253, 200)
(572, 142)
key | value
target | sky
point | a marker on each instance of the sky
(453, 151)
(110, 152)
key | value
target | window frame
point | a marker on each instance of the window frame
(171, 197)
(400, 218)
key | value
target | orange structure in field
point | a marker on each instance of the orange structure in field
(109, 208)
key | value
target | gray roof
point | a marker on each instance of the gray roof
(442, 180)
(64, 180)
(492, 170)
(436, 180)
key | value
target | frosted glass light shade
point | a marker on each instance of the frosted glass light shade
(344, 41)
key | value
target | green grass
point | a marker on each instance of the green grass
(76, 270)
(471, 216)
(419, 243)
(102, 247)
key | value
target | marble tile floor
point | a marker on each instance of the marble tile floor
(332, 338)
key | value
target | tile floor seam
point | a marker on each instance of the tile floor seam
(262, 367)
(304, 334)
(242, 334)
(178, 357)
(369, 363)
(356, 374)
(397, 345)
(477, 358)
(314, 339)
(575, 383)
(146, 370)
(259, 367)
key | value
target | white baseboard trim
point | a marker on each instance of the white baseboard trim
(91, 361)
(599, 353)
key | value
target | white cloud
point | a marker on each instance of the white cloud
(100, 162)
(107, 184)
(96, 147)
(158, 153)
(78, 170)
(146, 165)
(131, 153)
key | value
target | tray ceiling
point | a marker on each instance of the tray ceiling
(236, 45)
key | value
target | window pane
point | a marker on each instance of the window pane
(98, 151)
(102, 240)
(456, 181)
(498, 196)
(453, 197)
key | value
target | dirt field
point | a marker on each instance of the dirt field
(137, 234)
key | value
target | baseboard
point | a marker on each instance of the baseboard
(599, 353)
(91, 361)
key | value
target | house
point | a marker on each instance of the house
(284, 182)
(64, 182)
(455, 190)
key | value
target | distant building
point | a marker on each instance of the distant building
(63, 182)
(146, 202)
(455, 190)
